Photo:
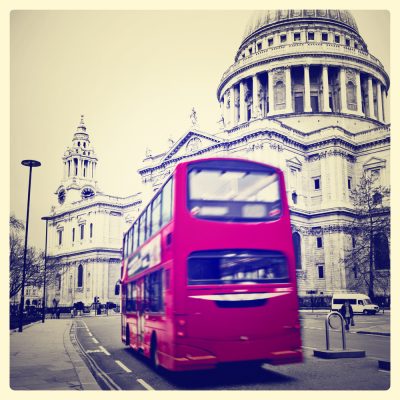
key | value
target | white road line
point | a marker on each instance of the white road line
(104, 350)
(145, 384)
(123, 366)
(95, 340)
(89, 333)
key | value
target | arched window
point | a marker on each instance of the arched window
(381, 251)
(80, 276)
(297, 249)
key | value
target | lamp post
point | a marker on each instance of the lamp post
(31, 164)
(45, 272)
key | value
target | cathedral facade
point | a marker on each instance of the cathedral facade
(303, 94)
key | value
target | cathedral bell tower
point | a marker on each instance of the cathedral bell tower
(80, 161)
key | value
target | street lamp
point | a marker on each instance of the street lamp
(45, 271)
(31, 164)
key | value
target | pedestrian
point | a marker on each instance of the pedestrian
(53, 313)
(347, 313)
(58, 312)
(72, 313)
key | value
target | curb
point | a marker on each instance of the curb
(88, 382)
(25, 326)
(373, 333)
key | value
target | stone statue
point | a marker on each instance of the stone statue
(193, 117)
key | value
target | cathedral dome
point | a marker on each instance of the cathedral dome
(269, 18)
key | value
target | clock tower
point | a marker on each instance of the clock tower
(80, 161)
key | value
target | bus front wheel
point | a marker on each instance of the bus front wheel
(154, 353)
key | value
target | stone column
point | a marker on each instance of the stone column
(379, 100)
(307, 92)
(343, 96)
(242, 104)
(232, 107)
(384, 103)
(358, 89)
(256, 101)
(371, 99)
(271, 93)
(325, 89)
(288, 84)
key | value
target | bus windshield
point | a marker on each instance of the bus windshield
(234, 195)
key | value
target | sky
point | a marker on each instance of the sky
(134, 75)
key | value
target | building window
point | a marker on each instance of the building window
(283, 38)
(270, 41)
(250, 50)
(297, 249)
(259, 46)
(324, 37)
(296, 36)
(310, 35)
(320, 272)
(355, 45)
(317, 183)
(58, 281)
(91, 230)
(82, 231)
(377, 198)
(347, 42)
(349, 182)
(80, 276)
(319, 242)
(294, 197)
(59, 238)
(381, 251)
(73, 234)
(375, 174)
(337, 39)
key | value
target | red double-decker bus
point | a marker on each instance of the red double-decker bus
(208, 271)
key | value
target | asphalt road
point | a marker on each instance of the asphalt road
(118, 368)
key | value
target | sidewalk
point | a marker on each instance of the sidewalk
(42, 357)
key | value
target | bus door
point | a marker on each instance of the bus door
(140, 314)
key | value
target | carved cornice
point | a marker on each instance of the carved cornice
(282, 138)
(331, 153)
(322, 230)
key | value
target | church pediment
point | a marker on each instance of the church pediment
(374, 162)
(189, 144)
(294, 163)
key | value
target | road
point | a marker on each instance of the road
(118, 368)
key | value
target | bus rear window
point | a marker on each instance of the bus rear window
(234, 195)
(236, 266)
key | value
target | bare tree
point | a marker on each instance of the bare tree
(368, 256)
(34, 261)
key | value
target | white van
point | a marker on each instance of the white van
(359, 302)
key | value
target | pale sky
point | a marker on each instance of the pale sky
(135, 75)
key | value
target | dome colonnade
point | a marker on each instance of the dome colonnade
(303, 61)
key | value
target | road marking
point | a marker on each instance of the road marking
(89, 333)
(94, 351)
(123, 366)
(104, 350)
(95, 340)
(145, 384)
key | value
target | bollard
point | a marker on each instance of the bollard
(327, 325)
